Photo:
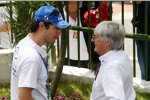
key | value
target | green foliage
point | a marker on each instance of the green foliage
(72, 89)
(21, 14)
(143, 96)
(4, 92)
(67, 89)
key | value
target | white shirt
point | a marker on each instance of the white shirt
(73, 42)
(114, 80)
(28, 69)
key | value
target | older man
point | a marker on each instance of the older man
(113, 79)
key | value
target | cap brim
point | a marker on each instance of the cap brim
(61, 24)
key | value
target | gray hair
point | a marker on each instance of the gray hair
(111, 32)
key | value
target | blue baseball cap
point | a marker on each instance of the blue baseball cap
(49, 14)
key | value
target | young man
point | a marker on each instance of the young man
(29, 69)
(114, 77)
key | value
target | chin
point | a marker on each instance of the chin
(97, 52)
(52, 42)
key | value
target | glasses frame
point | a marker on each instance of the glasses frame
(95, 36)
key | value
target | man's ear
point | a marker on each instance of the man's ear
(41, 26)
(108, 43)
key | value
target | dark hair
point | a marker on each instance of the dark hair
(35, 25)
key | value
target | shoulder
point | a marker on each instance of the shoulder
(25, 51)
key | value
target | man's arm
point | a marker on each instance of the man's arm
(25, 93)
(5, 27)
(113, 84)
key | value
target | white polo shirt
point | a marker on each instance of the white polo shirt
(28, 69)
(114, 80)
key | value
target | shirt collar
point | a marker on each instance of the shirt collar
(108, 56)
(36, 47)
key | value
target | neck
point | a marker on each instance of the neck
(73, 16)
(37, 39)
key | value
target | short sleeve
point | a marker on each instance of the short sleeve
(28, 73)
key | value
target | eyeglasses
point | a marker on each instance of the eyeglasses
(54, 13)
